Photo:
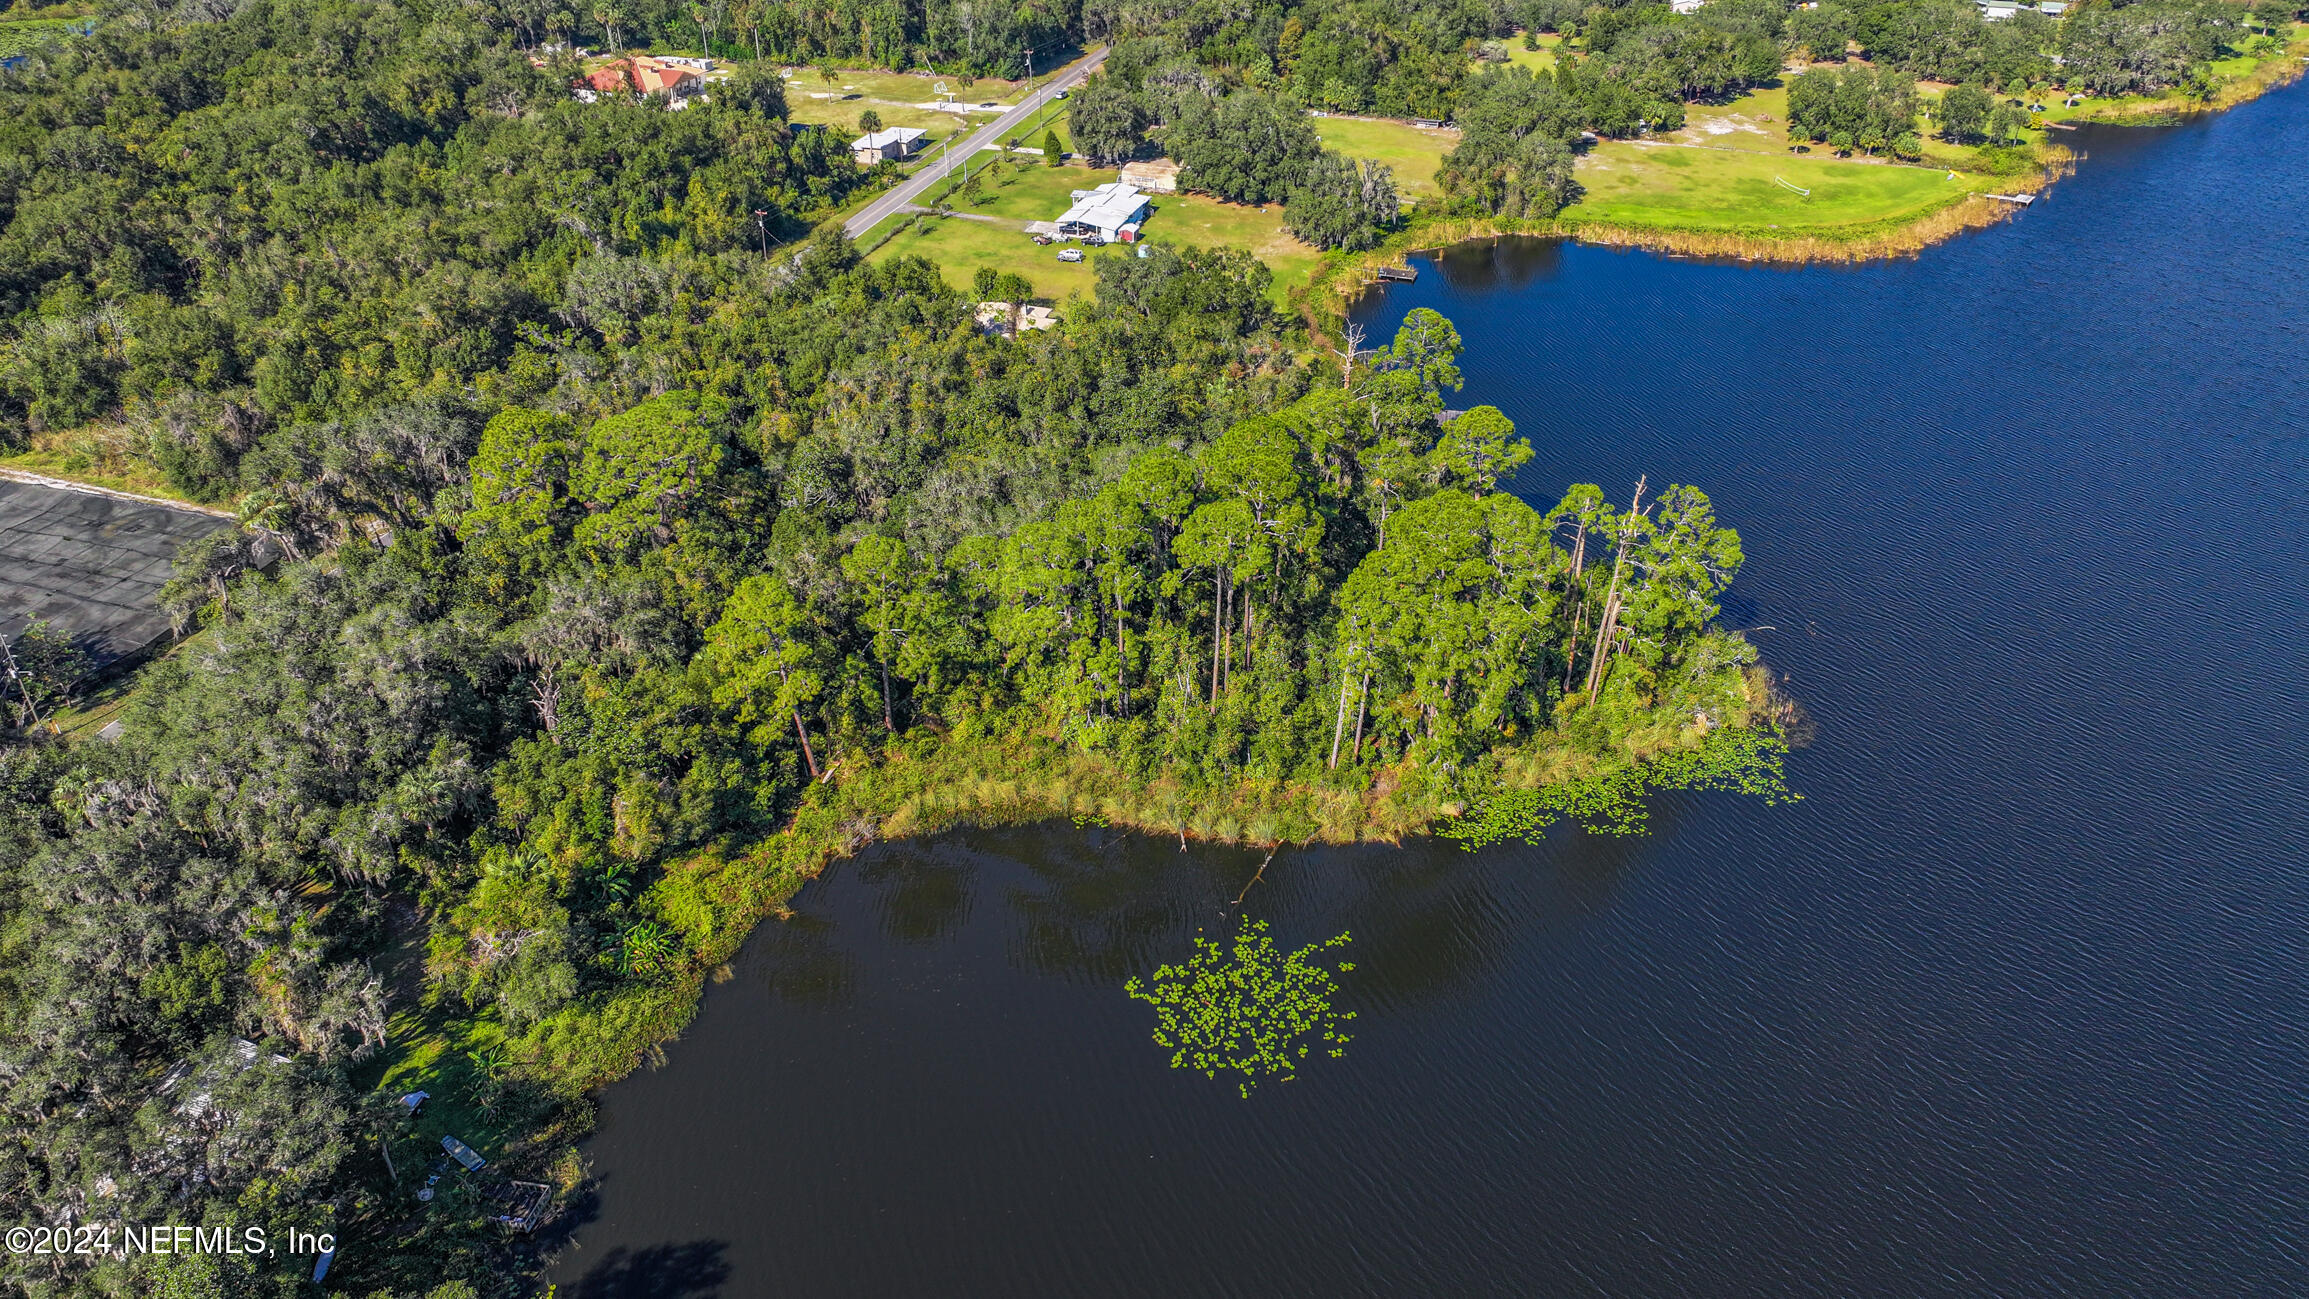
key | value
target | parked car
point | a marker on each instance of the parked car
(1042, 240)
(1070, 254)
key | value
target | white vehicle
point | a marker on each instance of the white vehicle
(1070, 254)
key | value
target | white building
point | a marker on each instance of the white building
(891, 144)
(1110, 213)
(1684, 6)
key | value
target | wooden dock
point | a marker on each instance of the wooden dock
(1397, 274)
(2022, 200)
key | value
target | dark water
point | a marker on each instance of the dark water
(2012, 1003)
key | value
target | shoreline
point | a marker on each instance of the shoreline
(930, 783)
(1338, 286)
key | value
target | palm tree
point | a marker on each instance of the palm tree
(265, 513)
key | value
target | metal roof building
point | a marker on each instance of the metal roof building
(1104, 211)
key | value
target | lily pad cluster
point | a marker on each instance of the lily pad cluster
(1248, 1010)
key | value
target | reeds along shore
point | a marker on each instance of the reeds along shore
(1336, 287)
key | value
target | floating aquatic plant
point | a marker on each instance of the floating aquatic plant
(1249, 1010)
(1745, 761)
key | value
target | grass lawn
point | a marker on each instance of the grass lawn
(902, 99)
(1030, 135)
(841, 117)
(1757, 120)
(1538, 60)
(907, 87)
(1414, 152)
(1206, 222)
(962, 244)
(1668, 187)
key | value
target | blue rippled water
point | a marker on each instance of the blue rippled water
(2012, 1003)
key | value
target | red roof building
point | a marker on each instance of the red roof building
(642, 75)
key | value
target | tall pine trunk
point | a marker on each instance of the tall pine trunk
(807, 756)
(1218, 628)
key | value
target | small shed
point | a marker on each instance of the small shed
(1102, 213)
(994, 317)
(890, 144)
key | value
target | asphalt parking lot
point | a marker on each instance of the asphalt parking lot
(91, 565)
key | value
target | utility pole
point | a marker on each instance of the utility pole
(23, 682)
(759, 213)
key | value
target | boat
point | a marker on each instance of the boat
(463, 1154)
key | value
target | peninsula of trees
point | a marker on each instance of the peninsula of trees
(627, 571)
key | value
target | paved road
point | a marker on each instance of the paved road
(930, 173)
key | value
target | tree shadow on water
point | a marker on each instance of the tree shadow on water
(924, 895)
(802, 964)
(695, 1270)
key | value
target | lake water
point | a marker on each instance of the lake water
(2012, 1003)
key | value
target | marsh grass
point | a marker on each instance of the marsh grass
(1001, 771)
(1344, 277)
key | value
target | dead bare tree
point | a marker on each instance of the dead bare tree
(1604, 640)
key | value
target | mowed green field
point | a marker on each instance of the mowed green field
(1539, 60)
(908, 86)
(993, 234)
(1709, 189)
(841, 117)
(1414, 152)
(962, 244)
(902, 99)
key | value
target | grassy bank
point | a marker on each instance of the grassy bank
(108, 454)
(997, 772)
(2237, 81)
(1705, 203)
(1703, 188)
